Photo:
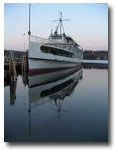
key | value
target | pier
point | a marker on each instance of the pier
(15, 59)
(15, 63)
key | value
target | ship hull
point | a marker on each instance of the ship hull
(44, 71)
(47, 67)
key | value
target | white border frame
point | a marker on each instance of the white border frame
(87, 146)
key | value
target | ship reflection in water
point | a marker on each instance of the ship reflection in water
(69, 108)
(54, 91)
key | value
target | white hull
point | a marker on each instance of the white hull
(46, 59)
(39, 63)
(45, 67)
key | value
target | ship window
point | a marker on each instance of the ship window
(56, 51)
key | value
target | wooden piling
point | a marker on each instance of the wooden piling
(25, 69)
(12, 68)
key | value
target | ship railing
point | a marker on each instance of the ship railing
(54, 43)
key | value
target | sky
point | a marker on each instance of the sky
(88, 24)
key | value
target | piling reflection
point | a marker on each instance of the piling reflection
(13, 85)
(11, 74)
(11, 81)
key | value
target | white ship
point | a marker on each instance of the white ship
(52, 57)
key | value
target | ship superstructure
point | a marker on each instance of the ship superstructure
(52, 57)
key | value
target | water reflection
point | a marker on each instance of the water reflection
(62, 109)
(55, 91)
(13, 84)
(11, 81)
(56, 87)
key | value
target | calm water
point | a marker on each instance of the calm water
(74, 108)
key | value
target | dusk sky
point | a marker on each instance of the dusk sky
(88, 24)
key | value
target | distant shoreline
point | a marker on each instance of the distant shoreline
(88, 56)
(95, 55)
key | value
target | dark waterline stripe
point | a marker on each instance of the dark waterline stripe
(58, 78)
(38, 71)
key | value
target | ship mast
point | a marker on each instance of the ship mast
(60, 21)
(29, 33)
(29, 30)
(60, 25)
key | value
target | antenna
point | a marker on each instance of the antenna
(29, 32)
(60, 25)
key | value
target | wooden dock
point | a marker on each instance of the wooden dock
(15, 63)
